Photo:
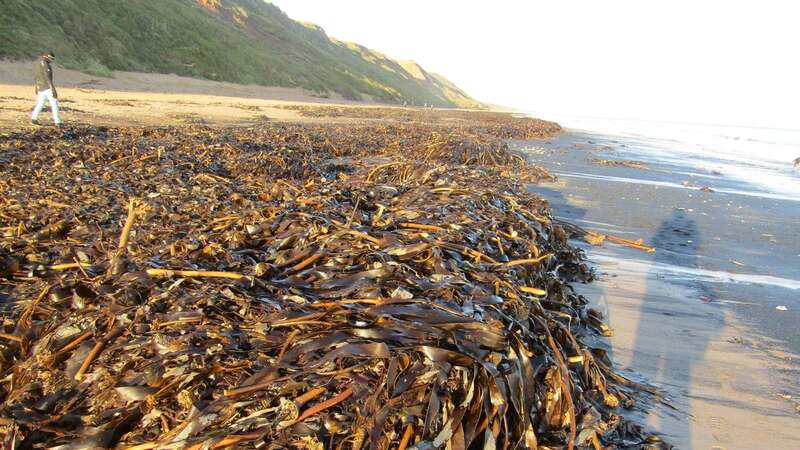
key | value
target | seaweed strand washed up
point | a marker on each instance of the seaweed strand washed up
(386, 285)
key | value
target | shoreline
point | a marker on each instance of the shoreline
(620, 291)
(725, 357)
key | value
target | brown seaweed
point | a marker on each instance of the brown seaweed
(620, 163)
(293, 286)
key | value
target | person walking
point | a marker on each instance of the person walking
(45, 90)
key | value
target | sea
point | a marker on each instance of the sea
(758, 160)
(720, 203)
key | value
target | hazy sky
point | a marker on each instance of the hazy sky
(728, 62)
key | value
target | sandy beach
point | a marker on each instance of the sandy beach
(697, 318)
(142, 99)
(295, 224)
(688, 320)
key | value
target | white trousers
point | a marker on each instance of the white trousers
(46, 94)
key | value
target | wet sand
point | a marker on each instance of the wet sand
(689, 319)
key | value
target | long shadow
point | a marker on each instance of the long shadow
(667, 361)
(663, 327)
(664, 356)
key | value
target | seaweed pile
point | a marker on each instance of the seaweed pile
(289, 286)
(620, 163)
(495, 124)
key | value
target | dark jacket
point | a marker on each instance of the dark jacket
(43, 75)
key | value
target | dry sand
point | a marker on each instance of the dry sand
(150, 99)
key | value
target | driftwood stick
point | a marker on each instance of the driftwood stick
(307, 262)
(637, 244)
(366, 301)
(519, 262)
(406, 437)
(169, 273)
(11, 337)
(98, 347)
(68, 266)
(179, 321)
(310, 395)
(531, 290)
(117, 265)
(89, 358)
(126, 230)
(421, 226)
(322, 406)
(76, 342)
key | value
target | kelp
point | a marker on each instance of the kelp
(620, 163)
(293, 286)
(497, 124)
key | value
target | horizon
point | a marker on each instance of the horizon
(666, 63)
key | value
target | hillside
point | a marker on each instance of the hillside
(240, 41)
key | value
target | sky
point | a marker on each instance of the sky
(701, 61)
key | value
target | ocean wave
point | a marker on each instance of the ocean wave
(759, 157)
(681, 273)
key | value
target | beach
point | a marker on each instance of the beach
(709, 317)
(307, 285)
(145, 99)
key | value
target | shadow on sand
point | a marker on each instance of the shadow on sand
(666, 356)
(663, 329)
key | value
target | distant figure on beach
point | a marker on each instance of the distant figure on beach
(797, 163)
(45, 90)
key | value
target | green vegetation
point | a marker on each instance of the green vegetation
(241, 41)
